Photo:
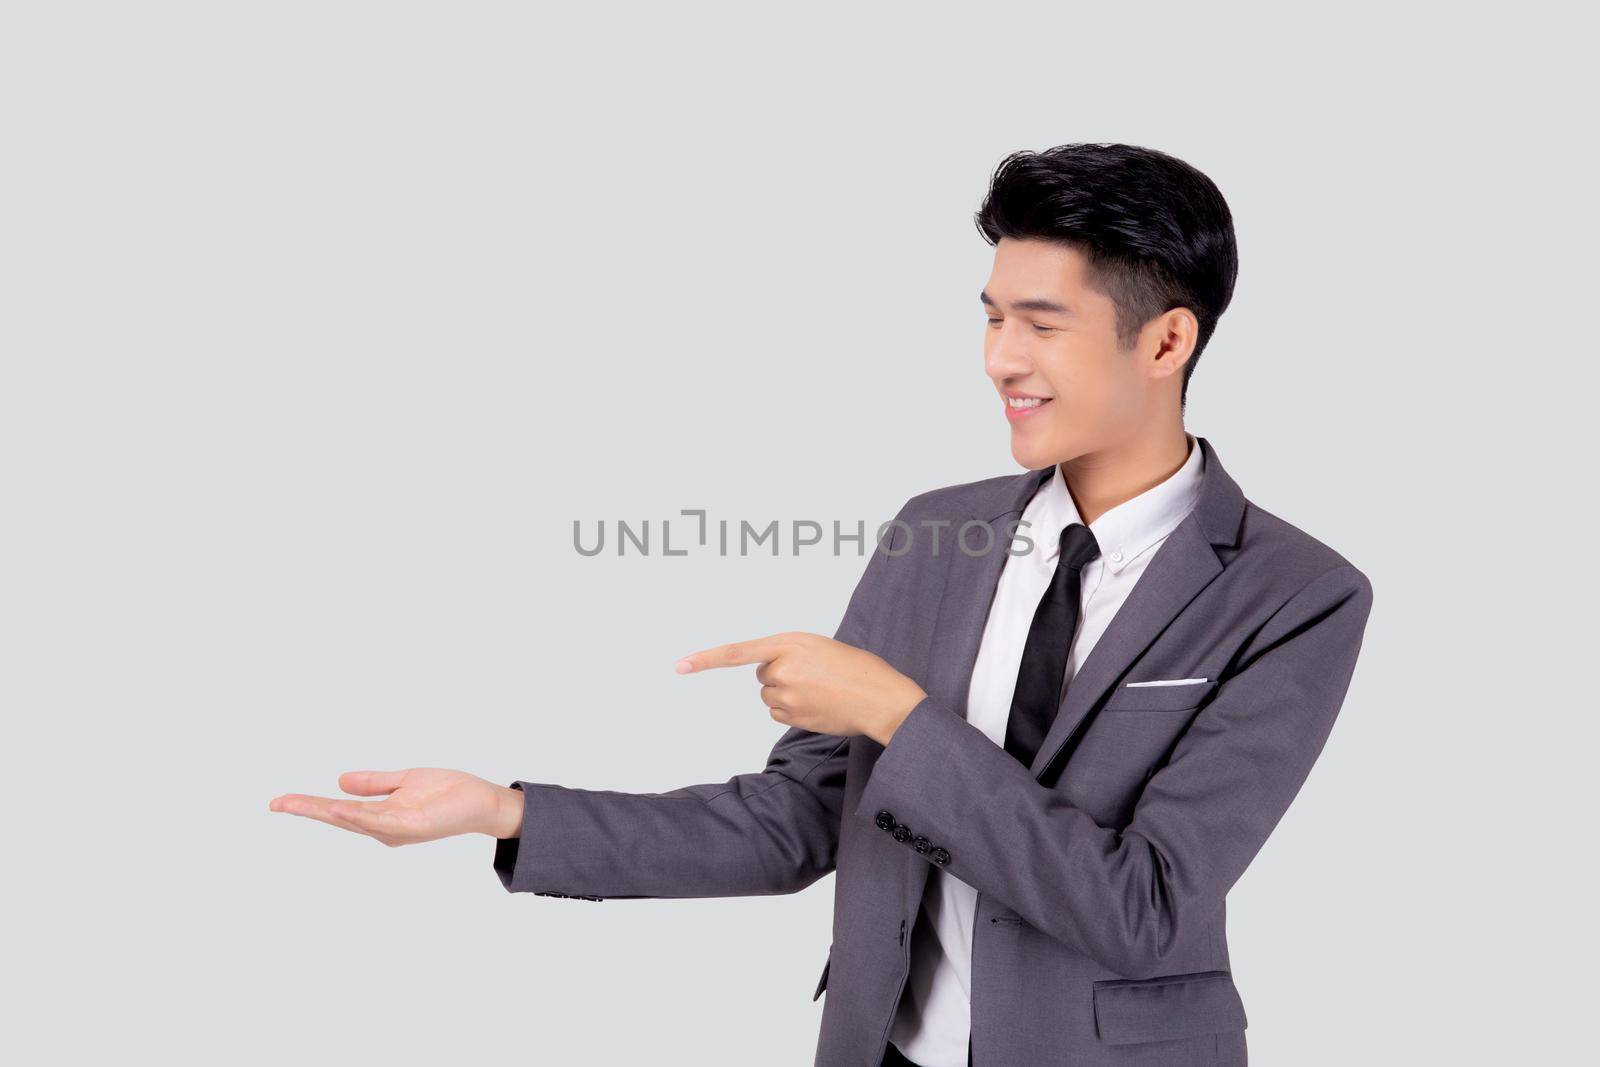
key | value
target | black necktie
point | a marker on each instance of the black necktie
(1044, 657)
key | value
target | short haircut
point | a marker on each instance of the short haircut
(1156, 232)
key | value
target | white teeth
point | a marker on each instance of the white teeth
(1024, 402)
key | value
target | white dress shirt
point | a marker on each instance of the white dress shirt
(933, 1023)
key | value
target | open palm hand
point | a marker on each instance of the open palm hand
(420, 804)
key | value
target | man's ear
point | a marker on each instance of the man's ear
(1168, 340)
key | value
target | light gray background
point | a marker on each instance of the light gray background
(322, 322)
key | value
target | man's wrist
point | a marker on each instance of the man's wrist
(508, 812)
(883, 732)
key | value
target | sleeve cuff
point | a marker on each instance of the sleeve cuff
(904, 761)
(936, 768)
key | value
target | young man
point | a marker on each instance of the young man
(1063, 710)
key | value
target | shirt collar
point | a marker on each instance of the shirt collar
(1126, 531)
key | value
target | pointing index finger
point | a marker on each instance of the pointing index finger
(738, 654)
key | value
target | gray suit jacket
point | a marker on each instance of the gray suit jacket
(1101, 869)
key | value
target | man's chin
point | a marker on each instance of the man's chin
(1032, 454)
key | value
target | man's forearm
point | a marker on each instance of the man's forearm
(773, 831)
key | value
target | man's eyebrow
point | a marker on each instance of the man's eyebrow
(1034, 304)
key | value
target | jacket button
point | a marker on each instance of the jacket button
(939, 856)
(885, 820)
(902, 834)
(921, 844)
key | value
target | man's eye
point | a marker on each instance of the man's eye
(991, 320)
(1044, 329)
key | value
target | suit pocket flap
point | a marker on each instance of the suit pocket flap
(1168, 1008)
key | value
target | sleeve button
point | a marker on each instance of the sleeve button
(902, 834)
(939, 856)
(885, 820)
(921, 844)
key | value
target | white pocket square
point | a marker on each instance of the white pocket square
(1169, 681)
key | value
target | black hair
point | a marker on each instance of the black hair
(1156, 232)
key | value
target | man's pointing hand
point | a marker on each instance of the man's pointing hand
(819, 684)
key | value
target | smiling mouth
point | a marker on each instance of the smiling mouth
(1021, 407)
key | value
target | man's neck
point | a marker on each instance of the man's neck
(1099, 481)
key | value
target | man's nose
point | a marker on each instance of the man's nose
(1004, 356)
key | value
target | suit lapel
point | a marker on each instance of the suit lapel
(969, 588)
(1183, 565)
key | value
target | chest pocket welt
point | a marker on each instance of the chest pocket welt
(1125, 743)
(1168, 1008)
(1159, 697)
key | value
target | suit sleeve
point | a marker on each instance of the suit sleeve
(772, 831)
(1126, 896)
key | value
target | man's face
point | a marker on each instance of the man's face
(1051, 336)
